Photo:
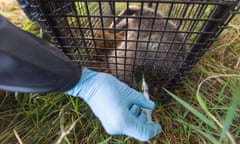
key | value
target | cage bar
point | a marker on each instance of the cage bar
(162, 39)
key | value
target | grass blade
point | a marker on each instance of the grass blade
(193, 110)
(105, 141)
(232, 110)
(202, 103)
(205, 134)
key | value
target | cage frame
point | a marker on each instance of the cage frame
(224, 11)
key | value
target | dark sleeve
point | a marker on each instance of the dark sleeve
(29, 64)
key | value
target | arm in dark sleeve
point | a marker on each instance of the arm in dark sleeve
(29, 64)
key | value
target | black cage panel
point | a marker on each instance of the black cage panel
(162, 39)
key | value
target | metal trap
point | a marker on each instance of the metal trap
(162, 39)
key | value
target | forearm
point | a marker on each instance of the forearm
(29, 64)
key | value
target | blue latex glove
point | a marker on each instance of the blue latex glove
(116, 105)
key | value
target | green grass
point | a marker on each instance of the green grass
(190, 118)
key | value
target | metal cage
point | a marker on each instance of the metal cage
(162, 39)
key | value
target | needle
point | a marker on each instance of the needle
(146, 94)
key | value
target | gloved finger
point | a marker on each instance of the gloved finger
(143, 116)
(135, 110)
(139, 100)
(144, 131)
(135, 97)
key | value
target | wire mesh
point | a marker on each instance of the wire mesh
(161, 39)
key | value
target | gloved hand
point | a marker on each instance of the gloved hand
(116, 105)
